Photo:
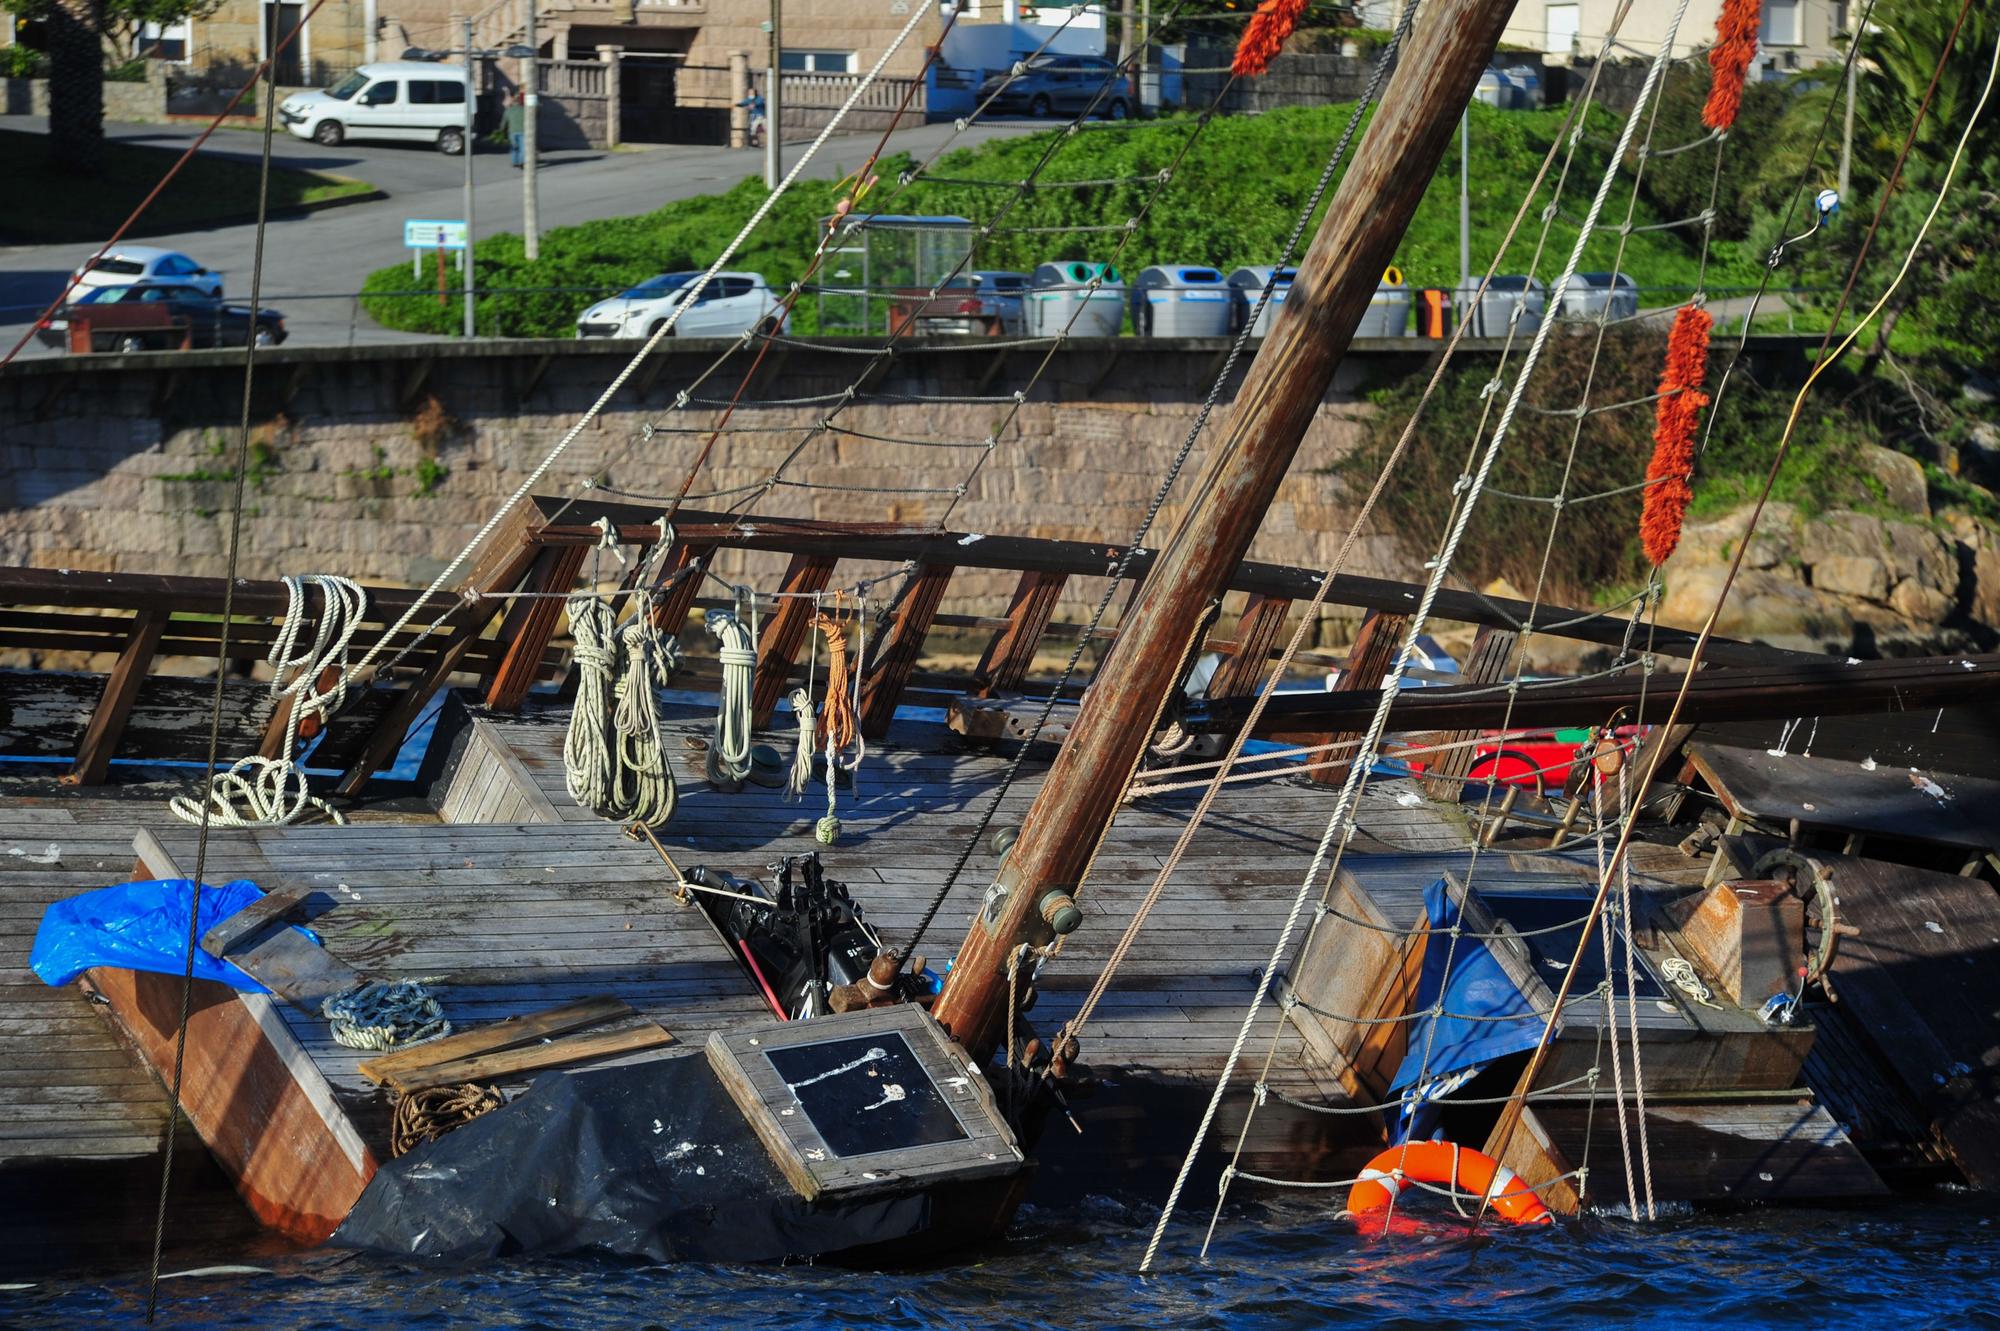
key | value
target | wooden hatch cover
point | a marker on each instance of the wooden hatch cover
(865, 1102)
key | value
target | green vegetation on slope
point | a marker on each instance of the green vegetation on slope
(1232, 201)
(209, 188)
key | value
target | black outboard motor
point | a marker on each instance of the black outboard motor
(805, 942)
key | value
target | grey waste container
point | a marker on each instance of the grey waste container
(1181, 300)
(1388, 312)
(1247, 284)
(1588, 295)
(1062, 298)
(1506, 292)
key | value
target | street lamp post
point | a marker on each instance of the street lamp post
(471, 103)
(531, 86)
(772, 160)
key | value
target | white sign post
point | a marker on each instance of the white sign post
(420, 235)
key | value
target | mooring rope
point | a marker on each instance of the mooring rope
(426, 1115)
(269, 792)
(729, 749)
(393, 1014)
(614, 757)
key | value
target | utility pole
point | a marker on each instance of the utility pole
(1408, 138)
(1847, 127)
(471, 105)
(773, 163)
(531, 90)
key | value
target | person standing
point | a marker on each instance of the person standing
(515, 121)
(754, 104)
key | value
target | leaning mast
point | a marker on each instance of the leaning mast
(1437, 71)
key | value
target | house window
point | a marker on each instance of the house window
(1781, 23)
(816, 62)
(1564, 23)
(166, 41)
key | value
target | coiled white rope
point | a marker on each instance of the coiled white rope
(614, 759)
(262, 792)
(729, 750)
(802, 755)
(392, 1015)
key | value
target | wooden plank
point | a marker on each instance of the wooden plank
(534, 1058)
(1368, 661)
(1005, 663)
(1256, 633)
(530, 625)
(884, 685)
(497, 1036)
(121, 690)
(785, 632)
(1491, 657)
(1822, 792)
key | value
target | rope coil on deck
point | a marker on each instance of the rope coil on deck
(426, 1115)
(394, 1014)
(271, 792)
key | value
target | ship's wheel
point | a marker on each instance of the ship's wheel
(1812, 882)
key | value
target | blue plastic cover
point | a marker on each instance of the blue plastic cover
(141, 927)
(1476, 988)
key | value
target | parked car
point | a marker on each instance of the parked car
(129, 265)
(1588, 294)
(398, 99)
(159, 316)
(980, 304)
(728, 305)
(1052, 83)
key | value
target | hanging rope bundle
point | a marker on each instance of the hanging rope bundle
(426, 1115)
(392, 1015)
(1729, 61)
(1264, 37)
(1681, 400)
(802, 755)
(614, 759)
(839, 723)
(258, 791)
(729, 750)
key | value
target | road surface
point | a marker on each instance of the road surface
(314, 263)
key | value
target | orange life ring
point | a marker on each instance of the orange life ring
(1446, 1165)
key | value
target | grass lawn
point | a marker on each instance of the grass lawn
(42, 205)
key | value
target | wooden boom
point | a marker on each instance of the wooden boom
(1436, 74)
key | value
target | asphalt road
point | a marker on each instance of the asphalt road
(313, 264)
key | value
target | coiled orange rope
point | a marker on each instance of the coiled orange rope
(1265, 35)
(1729, 61)
(838, 727)
(1679, 411)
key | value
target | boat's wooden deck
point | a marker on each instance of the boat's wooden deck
(68, 1088)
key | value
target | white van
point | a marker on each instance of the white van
(399, 99)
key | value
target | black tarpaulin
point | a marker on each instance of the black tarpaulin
(651, 1160)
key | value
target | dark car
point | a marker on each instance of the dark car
(161, 316)
(1052, 83)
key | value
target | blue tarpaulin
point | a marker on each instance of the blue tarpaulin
(1476, 988)
(141, 927)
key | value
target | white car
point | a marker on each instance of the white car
(137, 265)
(396, 99)
(726, 307)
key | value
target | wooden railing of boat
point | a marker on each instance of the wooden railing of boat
(152, 626)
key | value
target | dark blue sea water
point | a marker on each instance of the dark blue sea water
(1934, 1263)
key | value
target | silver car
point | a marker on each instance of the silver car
(730, 304)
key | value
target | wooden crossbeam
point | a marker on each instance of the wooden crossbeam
(901, 542)
(898, 657)
(1491, 657)
(1243, 672)
(1007, 658)
(785, 632)
(114, 708)
(531, 623)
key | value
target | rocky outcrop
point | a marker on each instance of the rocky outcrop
(1845, 580)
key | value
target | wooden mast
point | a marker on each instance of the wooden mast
(1436, 73)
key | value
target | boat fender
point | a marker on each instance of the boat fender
(1448, 1165)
